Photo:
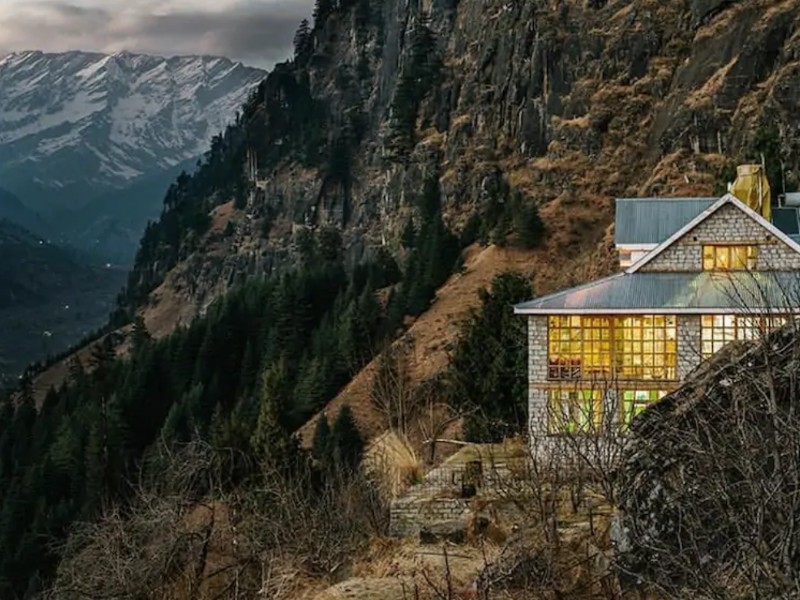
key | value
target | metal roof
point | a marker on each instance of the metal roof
(670, 293)
(653, 220)
(786, 219)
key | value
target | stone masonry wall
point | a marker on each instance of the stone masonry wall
(537, 373)
(728, 225)
(437, 498)
(689, 355)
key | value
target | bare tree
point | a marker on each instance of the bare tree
(710, 489)
(393, 393)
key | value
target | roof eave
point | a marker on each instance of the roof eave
(655, 311)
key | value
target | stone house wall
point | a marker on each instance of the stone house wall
(689, 356)
(729, 225)
(537, 376)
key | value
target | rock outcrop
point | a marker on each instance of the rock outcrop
(710, 477)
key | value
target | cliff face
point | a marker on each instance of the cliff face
(565, 104)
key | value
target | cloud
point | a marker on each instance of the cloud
(256, 32)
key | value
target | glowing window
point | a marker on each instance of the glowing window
(719, 330)
(578, 347)
(635, 401)
(729, 258)
(636, 347)
(574, 411)
(646, 347)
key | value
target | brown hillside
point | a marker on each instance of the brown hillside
(431, 336)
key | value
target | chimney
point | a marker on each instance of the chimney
(752, 188)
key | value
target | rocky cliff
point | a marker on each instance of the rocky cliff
(563, 105)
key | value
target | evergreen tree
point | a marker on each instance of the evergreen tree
(528, 223)
(321, 449)
(409, 235)
(492, 343)
(271, 440)
(346, 442)
(140, 336)
(302, 41)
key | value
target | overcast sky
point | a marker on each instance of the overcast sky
(257, 32)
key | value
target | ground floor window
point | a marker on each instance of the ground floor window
(574, 411)
(635, 401)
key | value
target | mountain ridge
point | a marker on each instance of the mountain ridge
(78, 126)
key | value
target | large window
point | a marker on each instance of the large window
(646, 347)
(635, 401)
(635, 347)
(579, 347)
(719, 330)
(574, 411)
(729, 258)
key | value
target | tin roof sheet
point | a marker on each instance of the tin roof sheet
(662, 293)
(653, 220)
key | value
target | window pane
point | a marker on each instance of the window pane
(574, 412)
(725, 258)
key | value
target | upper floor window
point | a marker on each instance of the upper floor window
(578, 346)
(719, 330)
(729, 258)
(646, 347)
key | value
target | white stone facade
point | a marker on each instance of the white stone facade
(729, 225)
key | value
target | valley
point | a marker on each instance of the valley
(50, 299)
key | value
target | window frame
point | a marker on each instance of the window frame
(746, 256)
(578, 420)
(714, 337)
(568, 350)
(637, 405)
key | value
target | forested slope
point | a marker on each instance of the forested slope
(398, 134)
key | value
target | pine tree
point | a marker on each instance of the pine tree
(346, 443)
(409, 235)
(302, 41)
(492, 343)
(271, 440)
(528, 224)
(321, 448)
(140, 335)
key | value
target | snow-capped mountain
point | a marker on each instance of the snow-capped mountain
(78, 126)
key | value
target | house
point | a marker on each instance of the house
(696, 274)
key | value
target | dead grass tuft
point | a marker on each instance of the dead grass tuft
(391, 461)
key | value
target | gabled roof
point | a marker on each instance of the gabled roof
(724, 200)
(703, 292)
(640, 221)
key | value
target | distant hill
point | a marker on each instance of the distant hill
(12, 209)
(49, 298)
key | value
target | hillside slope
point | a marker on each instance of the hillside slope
(558, 105)
(49, 299)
